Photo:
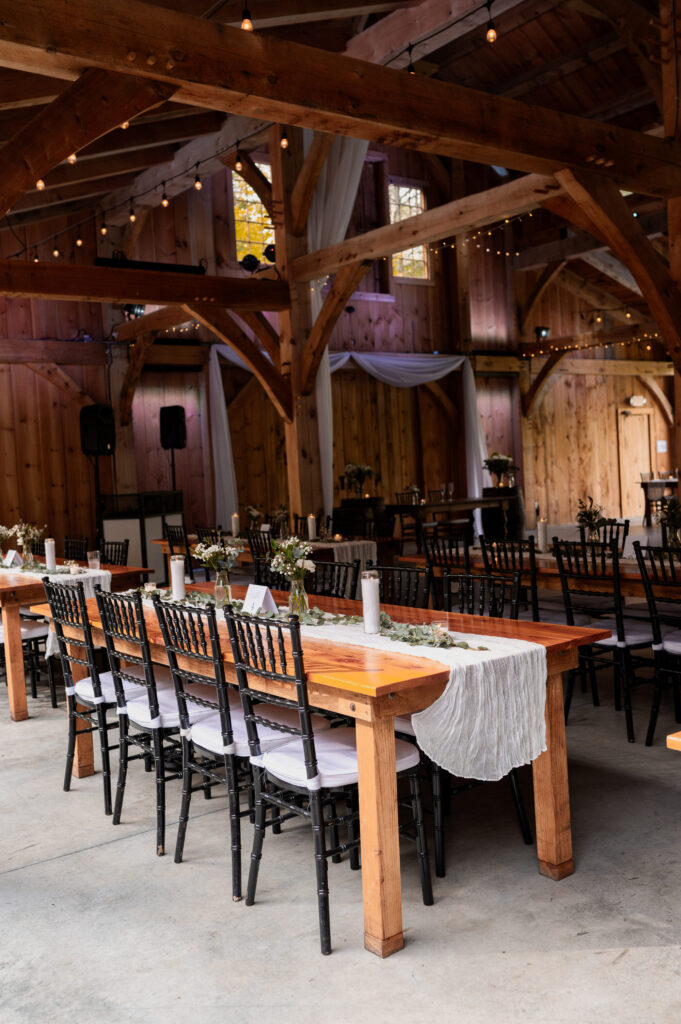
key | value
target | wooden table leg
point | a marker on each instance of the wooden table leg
(14, 662)
(83, 758)
(381, 882)
(551, 792)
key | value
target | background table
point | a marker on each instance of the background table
(18, 588)
(373, 687)
(670, 484)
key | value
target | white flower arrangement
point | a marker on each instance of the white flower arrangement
(290, 558)
(26, 533)
(254, 514)
(218, 556)
(6, 532)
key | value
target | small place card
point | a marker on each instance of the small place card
(12, 558)
(265, 527)
(259, 599)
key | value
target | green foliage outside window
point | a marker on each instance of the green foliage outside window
(252, 225)
(408, 201)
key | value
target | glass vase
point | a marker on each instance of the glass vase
(673, 537)
(593, 535)
(27, 554)
(297, 598)
(222, 590)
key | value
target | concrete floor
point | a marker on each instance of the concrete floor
(94, 927)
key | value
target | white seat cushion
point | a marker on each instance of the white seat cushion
(635, 632)
(30, 630)
(672, 642)
(336, 759)
(207, 733)
(85, 689)
(403, 725)
(138, 708)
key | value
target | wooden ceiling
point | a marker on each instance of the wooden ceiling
(596, 60)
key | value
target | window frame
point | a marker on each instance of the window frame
(416, 183)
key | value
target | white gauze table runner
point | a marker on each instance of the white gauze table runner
(88, 577)
(490, 717)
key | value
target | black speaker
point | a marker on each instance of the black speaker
(173, 427)
(97, 430)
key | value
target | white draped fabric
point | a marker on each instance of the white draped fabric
(404, 370)
(226, 498)
(327, 224)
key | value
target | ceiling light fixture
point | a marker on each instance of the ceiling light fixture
(410, 67)
(40, 184)
(71, 158)
(165, 202)
(197, 180)
(132, 216)
(246, 23)
(491, 29)
(283, 142)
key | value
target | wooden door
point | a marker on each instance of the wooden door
(633, 442)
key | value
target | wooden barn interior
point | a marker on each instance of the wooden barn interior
(515, 200)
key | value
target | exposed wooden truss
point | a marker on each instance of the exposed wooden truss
(52, 350)
(343, 286)
(328, 92)
(137, 355)
(545, 278)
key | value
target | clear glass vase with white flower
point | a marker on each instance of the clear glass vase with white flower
(220, 558)
(291, 558)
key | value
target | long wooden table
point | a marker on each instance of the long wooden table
(19, 589)
(373, 687)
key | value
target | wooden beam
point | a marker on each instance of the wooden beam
(97, 102)
(158, 320)
(280, 13)
(264, 332)
(225, 327)
(47, 213)
(441, 222)
(602, 202)
(588, 340)
(68, 193)
(545, 278)
(541, 384)
(146, 135)
(445, 401)
(654, 389)
(608, 265)
(132, 231)
(494, 365)
(600, 299)
(137, 355)
(226, 69)
(617, 367)
(23, 279)
(61, 380)
(19, 90)
(186, 356)
(343, 286)
(306, 182)
(252, 175)
(575, 246)
(89, 168)
(52, 350)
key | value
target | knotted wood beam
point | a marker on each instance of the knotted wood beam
(61, 380)
(306, 182)
(137, 355)
(343, 286)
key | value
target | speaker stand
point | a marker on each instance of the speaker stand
(172, 467)
(98, 504)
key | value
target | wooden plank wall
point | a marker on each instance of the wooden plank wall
(44, 477)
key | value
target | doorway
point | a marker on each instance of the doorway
(633, 444)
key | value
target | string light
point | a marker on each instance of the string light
(165, 202)
(238, 163)
(410, 68)
(246, 23)
(132, 216)
(125, 125)
(197, 180)
(56, 251)
(491, 30)
(283, 142)
(40, 184)
(103, 229)
(71, 158)
(35, 256)
(79, 241)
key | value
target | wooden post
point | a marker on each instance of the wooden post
(672, 112)
(301, 434)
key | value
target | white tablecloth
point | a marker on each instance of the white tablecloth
(88, 577)
(490, 717)
(349, 550)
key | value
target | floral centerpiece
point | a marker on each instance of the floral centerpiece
(356, 473)
(499, 465)
(254, 516)
(290, 557)
(6, 532)
(590, 517)
(220, 558)
(669, 516)
(27, 534)
(280, 521)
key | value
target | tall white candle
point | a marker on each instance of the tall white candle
(311, 527)
(371, 602)
(177, 577)
(236, 525)
(542, 535)
(50, 554)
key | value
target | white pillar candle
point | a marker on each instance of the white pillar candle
(236, 525)
(177, 577)
(50, 554)
(542, 535)
(371, 601)
(311, 527)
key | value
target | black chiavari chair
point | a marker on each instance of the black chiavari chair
(178, 544)
(660, 570)
(265, 576)
(76, 548)
(149, 718)
(445, 552)
(334, 579)
(613, 531)
(260, 543)
(506, 557)
(209, 534)
(404, 586)
(590, 581)
(88, 699)
(306, 776)
(115, 552)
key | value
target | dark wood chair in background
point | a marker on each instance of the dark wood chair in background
(115, 552)
(76, 548)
